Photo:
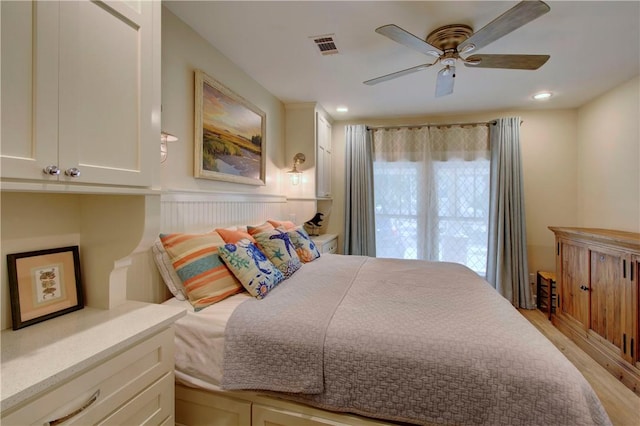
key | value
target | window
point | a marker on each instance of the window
(462, 194)
(452, 228)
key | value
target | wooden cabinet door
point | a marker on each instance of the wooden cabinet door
(575, 278)
(106, 82)
(607, 290)
(631, 309)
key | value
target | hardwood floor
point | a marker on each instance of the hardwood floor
(622, 405)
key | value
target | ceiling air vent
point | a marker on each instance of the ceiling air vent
(325, 44)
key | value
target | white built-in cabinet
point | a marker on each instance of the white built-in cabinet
(323, 152)
(92, 367)
(308, 131)
(80, 86)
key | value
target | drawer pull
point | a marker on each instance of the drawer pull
(86, 405)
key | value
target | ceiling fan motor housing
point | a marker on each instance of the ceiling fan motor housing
(448, 38)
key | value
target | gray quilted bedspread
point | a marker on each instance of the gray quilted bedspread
(402, 340)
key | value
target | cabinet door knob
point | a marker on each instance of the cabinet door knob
(51, 170)
(73, 172)
(584, 287)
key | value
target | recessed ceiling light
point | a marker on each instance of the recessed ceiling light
(542, 96)
(342, 109)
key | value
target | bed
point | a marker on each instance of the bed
(380, 340)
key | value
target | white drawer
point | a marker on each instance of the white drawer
(330, 246)
(327, 243)
(116, 380)
(152, 406)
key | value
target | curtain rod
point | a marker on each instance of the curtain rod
(404, 126)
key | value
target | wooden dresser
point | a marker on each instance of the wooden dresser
(597, 273)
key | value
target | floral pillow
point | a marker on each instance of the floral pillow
(305, 247)
(252, 268)
(278, 247)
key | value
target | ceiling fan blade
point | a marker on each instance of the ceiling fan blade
(445, 80)
(405, 38)
(515, 62)
(396, 74)
(519, 15)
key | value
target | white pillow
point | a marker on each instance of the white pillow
(168, 274)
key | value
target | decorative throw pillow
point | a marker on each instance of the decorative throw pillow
(305, 247)
(168, 274)
(278, 247)
(205, 278)
(286, 224)
(253, 230)
(233, 237)
(256, 273)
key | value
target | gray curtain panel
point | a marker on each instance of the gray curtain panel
(359, 224)
(507, 267)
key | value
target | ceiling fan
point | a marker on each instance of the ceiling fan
(452, 43)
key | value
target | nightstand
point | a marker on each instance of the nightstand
(327, 243)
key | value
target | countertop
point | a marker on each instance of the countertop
(40, 356)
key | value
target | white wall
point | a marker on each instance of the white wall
(609, 160)
(184, 51)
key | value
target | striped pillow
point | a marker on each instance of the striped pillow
(206, 279)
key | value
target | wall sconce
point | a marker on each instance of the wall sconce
(164, 138)
(294, 173)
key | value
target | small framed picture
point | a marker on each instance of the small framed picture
(44, 284)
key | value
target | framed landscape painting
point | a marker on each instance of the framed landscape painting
(229, 135)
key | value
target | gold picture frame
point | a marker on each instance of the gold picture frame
(229, 134)
(44, 284)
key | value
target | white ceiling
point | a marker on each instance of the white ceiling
(594, 46)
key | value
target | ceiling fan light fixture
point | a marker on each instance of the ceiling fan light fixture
(542, 96)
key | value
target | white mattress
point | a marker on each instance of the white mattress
(200, 341)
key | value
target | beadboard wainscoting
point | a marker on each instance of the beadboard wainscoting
(201, 212)
(195, 212)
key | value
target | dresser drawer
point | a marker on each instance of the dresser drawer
(102, 390)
